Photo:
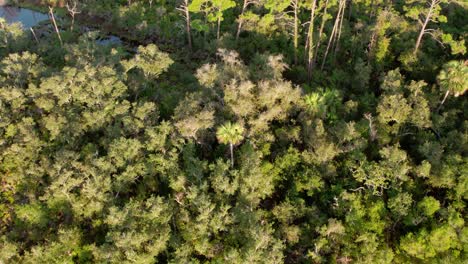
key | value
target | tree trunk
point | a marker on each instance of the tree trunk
(239, 27)
(310, 40)
(295, 6)
(241, 19)
(322, 26)
(370, 52)
(371, 11)
(218, 30)
(205, 33)
(184, 9)
(372, 131)
(443, 100)
(332, 36)
(52, 17)
(187, 18)
(231, 148)
(350, 9)
(34, 35)
(337, 42)
(72, 10)
(423, 29)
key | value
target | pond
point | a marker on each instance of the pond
(109, 40)
(28, 18)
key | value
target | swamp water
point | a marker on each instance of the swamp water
(28, 18)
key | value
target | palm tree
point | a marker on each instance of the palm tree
(232, 134)
(454, 78)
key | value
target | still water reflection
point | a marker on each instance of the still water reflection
(28, 18)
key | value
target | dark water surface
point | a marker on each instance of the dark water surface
(109, 40)
(28, 18)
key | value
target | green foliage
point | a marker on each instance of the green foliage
(20, 69)
(12, 38)
(400, 204)
(426, 245)
(150, 60)
(117, 153)
(137, 232)
(454, 77)
(429, 205)
(230, 133)
(417, 245)
(213, 11)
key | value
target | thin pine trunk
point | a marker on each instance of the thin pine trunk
(51, 13)
(322, 26)
(184, 9)
(34, 35)
(350, 9)
(310, 41)
(296, 29)
(241, 19)
(72, 11)
(423, 29)
(443, 100)
(337, 42)
(218, 30)
(231, 148)
(332, 36)
(187, 18)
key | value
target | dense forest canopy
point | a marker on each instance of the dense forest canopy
(235, 131)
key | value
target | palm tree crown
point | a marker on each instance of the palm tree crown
(454, 77)
(230, 133)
